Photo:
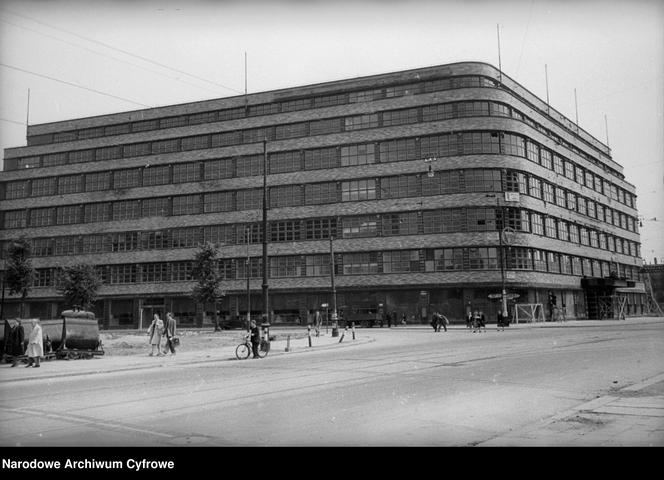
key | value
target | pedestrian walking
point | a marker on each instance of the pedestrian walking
(15, 346)
(500, 325)
(391, 317)
(442, 321)
(482, 321)
(403, 319)
(155, 332)
(35, 345)
(434, 321)
(469, 320)
(255, 338)
(318, 320)
(476, 322)
(169, 332)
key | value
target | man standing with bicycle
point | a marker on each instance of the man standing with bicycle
(255, 338)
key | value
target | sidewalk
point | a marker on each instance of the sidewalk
(107, 364)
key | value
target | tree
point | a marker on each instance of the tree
(20, 274)
(79, 285)
(206, 274)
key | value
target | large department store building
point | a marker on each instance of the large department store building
(413, 174)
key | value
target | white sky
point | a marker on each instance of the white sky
(137, 53)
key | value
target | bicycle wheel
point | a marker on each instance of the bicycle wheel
(263, 348)
(242, 351)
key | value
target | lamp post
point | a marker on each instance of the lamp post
(334, 291)
(266, 309)
(248, 236)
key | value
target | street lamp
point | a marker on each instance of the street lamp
(266, 309)
(334, 291)
(248, 236)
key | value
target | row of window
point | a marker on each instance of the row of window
(302, 104)
(363, 263)
(402, 186)
(326, 126)
(320, 101)
(449, 220)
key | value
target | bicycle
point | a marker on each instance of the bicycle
(244, 349)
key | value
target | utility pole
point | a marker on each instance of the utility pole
(266, 307)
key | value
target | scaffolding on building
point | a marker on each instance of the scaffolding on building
(652, 307)
(529, 312)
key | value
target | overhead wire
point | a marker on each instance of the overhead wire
(106, 55)
(73, 84)
(145, 59)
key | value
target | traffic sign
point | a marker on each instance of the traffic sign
(495, 295)
(509, 296)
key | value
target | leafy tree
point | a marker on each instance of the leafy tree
(20, 273)
(79, 285)
(206, 274)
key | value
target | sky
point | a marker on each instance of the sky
(65, 59)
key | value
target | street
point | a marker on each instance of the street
(406, 386)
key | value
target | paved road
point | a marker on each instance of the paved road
(524, 386)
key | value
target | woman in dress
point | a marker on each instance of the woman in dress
(155, 331)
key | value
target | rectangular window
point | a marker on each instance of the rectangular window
(401, 261)
(95, 244)
(250, 165)
(360, 122)
(285, 196)
(402, 90)
(16, 189)
(186, 172)
(155, 207)
(42, 247)
(360, 263)
(145, 125)
(126, 178)
(53, 159)
(173, 122)
(318, 193)
(553, 260)
(320, 228)
(482, 258)
(563, 232)
(255, 268)
(187, 205)
(95, 182)
(225, 139)
(285, 266)
(42, 217)
(249, 199)
(330, 100)
(365, 226)
(126, 210)
(482, 180)
(108, 153)
(539, 260)
(583, 236)
(285, 162)
(123, 274)
(67, 215)
(44, 186)
(197, 142)
(156, 240)
(137, 149)
(581, 206)
(218, 202)
(365, 96)
(155, 272)
(291, 130)
(43, 278)
(285, 231)
(15, 219)
(317, 265)
(399, 224)
(472, 109)
(185, 237)
(323, 127)
(532, 152)
(548, 195)
(120, 129)
(398, 150)
(124, 242)
(550, 227)
(70, 184)
(358, 190)
(535, 187)
(400, 186)
(166, 146)
(156, 175)
(560, 197)
(573, 233)
(571, 201)
(321, 158)
(536, 224)
(399, 117)
(255, 135)
(80, 156)
(216, 169)
(519, 258)
(95, 212)
(445, 111)
(546, 161)
(295, 105)
(205, 117)
(357, 155)
(231, 114)
(181, 271)
(219, 234)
